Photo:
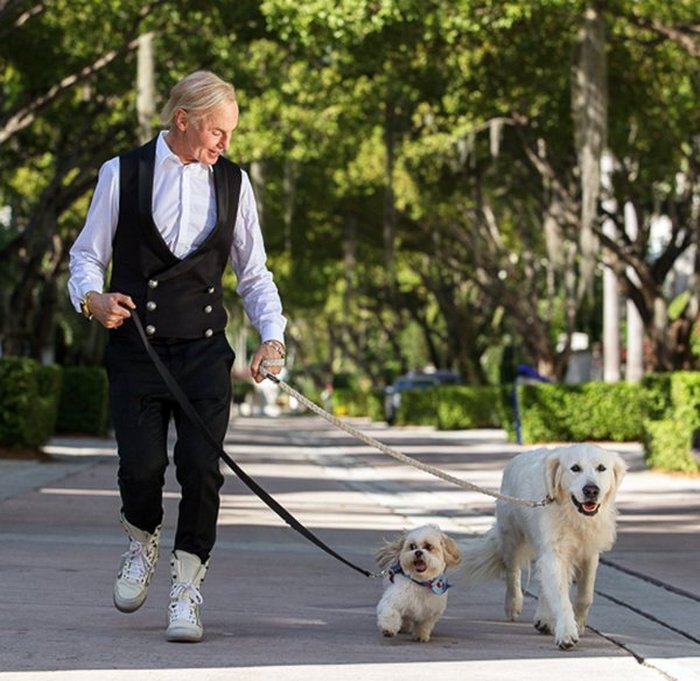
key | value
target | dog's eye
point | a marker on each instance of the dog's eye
(428, 547)
(412, 546)
(601, 468)
(576, 468)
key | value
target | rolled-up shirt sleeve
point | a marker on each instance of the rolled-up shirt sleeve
(92, 250)
(256, 287)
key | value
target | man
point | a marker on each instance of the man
(169, 216)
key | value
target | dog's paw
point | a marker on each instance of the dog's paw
(422, 638)
(388, 633)
(513, 612)
(566, 636)
(542, 626)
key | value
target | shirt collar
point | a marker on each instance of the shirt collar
(165, 155)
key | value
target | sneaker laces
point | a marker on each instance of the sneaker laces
(185, 598)
(137, 564)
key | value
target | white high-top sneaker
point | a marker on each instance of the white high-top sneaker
(187, 573)
(136, 570)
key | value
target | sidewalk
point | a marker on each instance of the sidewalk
(276, 607)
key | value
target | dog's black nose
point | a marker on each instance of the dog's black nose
(418, 553)
(591, 491)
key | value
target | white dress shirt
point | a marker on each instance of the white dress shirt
(184, 211)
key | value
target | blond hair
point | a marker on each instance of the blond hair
(198, 94)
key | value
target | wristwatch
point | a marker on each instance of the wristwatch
(85, 305)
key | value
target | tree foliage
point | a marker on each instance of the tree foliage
(414, 160)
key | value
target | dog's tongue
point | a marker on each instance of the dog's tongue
(420, 566)
(590, 507)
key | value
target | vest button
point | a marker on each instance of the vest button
(152, 283)
(211, 289)
(151, 305)
(150, 329)
(208, 333)
(208, 309)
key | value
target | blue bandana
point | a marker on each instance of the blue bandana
(438, 586)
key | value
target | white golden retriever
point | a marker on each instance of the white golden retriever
(565, 538)
(415, 594)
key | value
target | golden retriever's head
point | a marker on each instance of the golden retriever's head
(423, 553)
(585, 474)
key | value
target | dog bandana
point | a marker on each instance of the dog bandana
(438, 586)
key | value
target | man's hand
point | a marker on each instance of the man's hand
(110, 309)
(265, 351)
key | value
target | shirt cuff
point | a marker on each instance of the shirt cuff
(272, 332)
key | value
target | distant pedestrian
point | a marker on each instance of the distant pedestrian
(168, 216)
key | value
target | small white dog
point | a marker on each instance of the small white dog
(415, 595)
(565, 538)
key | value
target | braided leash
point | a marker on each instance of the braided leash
(431, 470)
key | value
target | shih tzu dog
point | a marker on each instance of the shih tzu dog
(415, 596)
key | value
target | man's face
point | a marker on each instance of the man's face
(206, 139)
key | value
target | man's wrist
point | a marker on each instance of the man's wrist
(277, 346)
(85, 304)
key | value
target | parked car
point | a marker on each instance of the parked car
(414, 380)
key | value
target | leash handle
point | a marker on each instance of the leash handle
(254, 486)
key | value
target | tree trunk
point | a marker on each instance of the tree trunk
(590, 114)
(145, 87)
(634, 367)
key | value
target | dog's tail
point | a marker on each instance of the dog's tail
(482, 559)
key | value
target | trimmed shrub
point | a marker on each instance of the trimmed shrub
(657, 396)
(573, 413)
(674, 415)
(353, 402)
(615, 412)
(29, 394)
(461, 407)
(667, 445)
(543, 410)
(84, 405)
(418, 407)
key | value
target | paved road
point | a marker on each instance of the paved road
(277, 608)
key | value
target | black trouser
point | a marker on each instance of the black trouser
(141, 410)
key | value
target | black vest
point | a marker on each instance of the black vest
(176, 298)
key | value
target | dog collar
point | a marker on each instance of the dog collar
(438, 586)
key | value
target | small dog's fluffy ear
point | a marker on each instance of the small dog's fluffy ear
(388, 553)
(450, 551)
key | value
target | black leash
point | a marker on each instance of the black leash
(191, 412)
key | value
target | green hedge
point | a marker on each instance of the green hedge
(84, 405)
(573, 413)
(461, 407)
(29, 396)
(418, 407)
(673, 411)
(451, 407)
(355, 402)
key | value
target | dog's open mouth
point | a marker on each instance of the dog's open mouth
(419, 565)
(587, 507)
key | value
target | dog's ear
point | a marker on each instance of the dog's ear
(619, 470)
(451, 551)
(388, 553)
(554, 473)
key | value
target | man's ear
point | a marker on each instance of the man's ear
(180, 119)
